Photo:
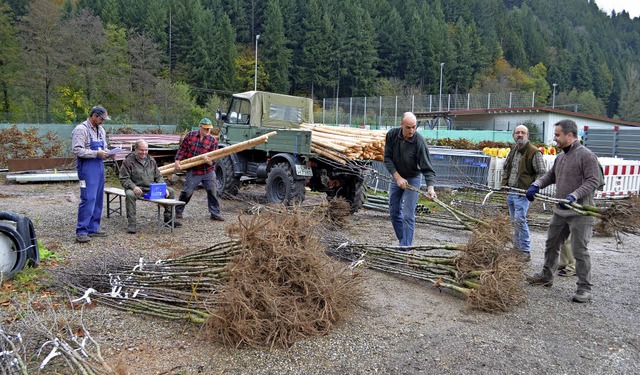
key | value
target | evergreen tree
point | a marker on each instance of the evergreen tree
(235, 10)
(225, 55)
(156, 27)
(317, 53)
(391, 40)
(110, 14)
(513, 44)
(415, 71)
(581, 75)
(463, 72)
(630, 101)
(276, 56)
(359, 51)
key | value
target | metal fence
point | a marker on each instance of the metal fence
(617, 141)
(454, 169)
(385, 111)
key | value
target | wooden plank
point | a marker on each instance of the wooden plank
(34, 164)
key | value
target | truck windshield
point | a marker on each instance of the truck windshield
(239, 111)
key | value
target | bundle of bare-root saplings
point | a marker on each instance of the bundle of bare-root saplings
(272, 285)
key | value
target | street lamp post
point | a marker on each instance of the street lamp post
(440, 105)
(255, 73)
(553, 103)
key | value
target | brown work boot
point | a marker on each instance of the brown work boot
(538, 279)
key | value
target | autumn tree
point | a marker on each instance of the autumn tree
(45, 53)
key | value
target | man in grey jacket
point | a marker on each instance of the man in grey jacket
(138, 171)
(577, 175)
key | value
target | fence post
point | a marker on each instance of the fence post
(533, 99)
(430, 103)
(413, 100)
(350, 109)
(364, 118)
(615, 141)
(323, 108)
(448, 102)
(380, 113)
(510, 99)
(395, 117)
(468, 101)
(488, 100)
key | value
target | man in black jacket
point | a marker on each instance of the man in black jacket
(407, 159)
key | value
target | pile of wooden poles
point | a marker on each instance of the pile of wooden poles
(215, 155)
(344, 144)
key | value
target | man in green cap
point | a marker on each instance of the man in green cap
(196, 143)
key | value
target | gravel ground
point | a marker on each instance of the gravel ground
(404, 326)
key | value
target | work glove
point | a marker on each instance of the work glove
(571, 199)
(531, 192)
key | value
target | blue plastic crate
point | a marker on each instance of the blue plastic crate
(156, 191)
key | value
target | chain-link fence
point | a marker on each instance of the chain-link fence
(129, 118)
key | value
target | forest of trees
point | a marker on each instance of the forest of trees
(183, 57)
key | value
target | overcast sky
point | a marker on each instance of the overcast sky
(631, 6)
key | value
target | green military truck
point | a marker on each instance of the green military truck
(285, 163)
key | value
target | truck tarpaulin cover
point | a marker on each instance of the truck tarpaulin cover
(278, 111)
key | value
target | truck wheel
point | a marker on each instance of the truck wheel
(358, 195)
(226, 183)
(354, 192)
(282, 187)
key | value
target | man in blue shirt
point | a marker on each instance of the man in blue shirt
(407, 159)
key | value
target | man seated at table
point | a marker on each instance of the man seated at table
(138, 171)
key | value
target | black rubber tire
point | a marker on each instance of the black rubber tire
(25, 227)
(282, 188)
(28, 233)
(358, 195)
(18, 247)
(227, 185)
(354, 192)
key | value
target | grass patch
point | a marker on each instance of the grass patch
(29, 284)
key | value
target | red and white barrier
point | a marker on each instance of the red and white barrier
(622, 177)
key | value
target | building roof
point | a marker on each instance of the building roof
(509, 111)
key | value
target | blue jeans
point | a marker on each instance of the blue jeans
(402, 209)
(518, 207)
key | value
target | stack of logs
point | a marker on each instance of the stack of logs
(344, 144)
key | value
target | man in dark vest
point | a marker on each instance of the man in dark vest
(523, 165)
